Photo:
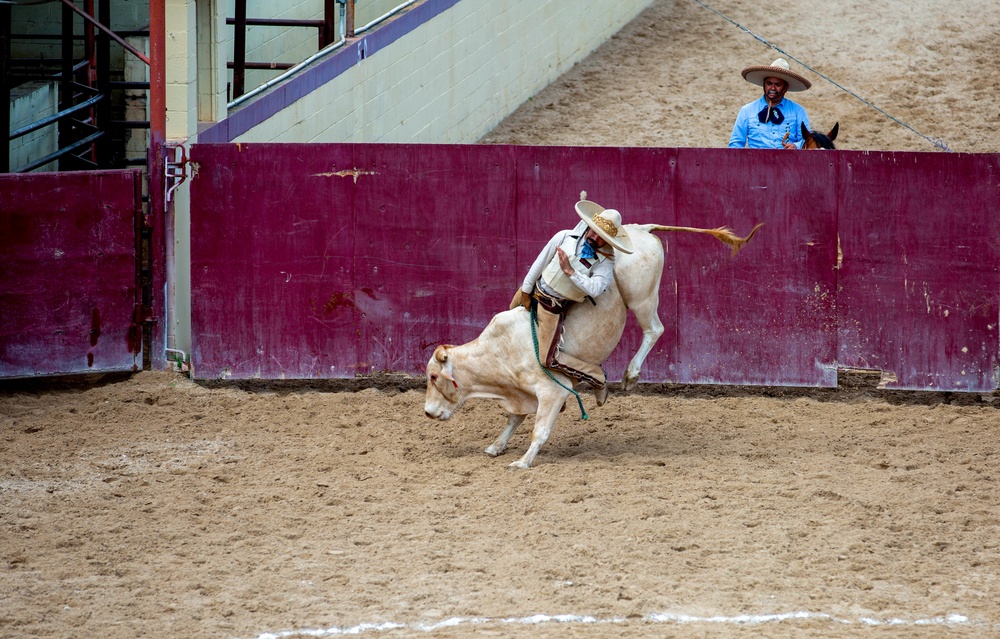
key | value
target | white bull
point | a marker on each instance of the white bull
(501, 363)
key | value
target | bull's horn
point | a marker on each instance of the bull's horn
(441, 353)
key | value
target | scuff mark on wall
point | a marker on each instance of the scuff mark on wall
(346, 173)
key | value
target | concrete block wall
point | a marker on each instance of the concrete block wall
(274, 44)
(181, 68)
(290, 44)
(126, 15)
(452, 79)
(136, 100)
(29, 103)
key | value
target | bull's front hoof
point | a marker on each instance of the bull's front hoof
(519, 465)
(493, 451)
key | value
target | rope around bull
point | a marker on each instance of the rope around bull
(534, 338)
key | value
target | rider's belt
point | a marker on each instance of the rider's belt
(550, 303)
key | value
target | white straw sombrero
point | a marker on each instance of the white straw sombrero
(607, 223)
(777, 69)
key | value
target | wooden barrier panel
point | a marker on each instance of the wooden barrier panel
(919, 283)
(435, 239)
(342, 260)
(767, 315)
(272, 267)
(68, 273)
(312, 261)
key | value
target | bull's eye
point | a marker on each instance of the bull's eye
(434, 378)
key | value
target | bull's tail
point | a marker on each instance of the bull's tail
(723, 234)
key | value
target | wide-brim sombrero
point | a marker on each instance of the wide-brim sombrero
(777, 69)
(607, 223)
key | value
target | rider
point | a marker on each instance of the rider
(575, 265)
(772, 121)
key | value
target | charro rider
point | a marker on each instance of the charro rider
(575, 264)
(772, 121)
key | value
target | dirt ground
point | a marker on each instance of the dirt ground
(158, 507)
(672, 76)
(152, 506)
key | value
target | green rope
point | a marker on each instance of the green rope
(534, 338)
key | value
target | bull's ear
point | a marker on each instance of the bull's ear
(441, 353)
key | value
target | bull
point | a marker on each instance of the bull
(502, 364)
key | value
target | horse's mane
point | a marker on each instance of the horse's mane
(822, 140)
(817, 140)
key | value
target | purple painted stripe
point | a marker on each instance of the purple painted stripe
(304, 83)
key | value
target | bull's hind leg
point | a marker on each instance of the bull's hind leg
(548, 410)
(500, 445)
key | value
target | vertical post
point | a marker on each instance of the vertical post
(89, 51)
(157, 72)
(153, 236)
(90, 55)
(240, 49)
(5, 83)
(104, 86)
(328, 33)
(349, 21)
(66, 86)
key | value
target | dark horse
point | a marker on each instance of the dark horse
(816, 140)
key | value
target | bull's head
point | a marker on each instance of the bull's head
(442, 389)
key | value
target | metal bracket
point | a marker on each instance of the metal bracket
(175, 170)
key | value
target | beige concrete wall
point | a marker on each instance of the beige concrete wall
(289, 44)
(181, 69)
(46, 18)
(182, 99)
(456, 77)
(274, 44)
(212, 52)
(29, 103)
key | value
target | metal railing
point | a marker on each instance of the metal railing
(86, 128)
(239, 64)
(347, 31)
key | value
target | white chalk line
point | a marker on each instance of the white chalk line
(952, 620)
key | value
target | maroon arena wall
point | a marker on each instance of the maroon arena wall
(68, 273)
(337, 260)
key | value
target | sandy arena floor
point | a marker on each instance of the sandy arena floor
(157, 507)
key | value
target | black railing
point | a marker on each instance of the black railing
(89, 136)
(326, 28)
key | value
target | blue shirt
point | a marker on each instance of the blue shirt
(750, 132)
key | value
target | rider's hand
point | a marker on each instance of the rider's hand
(564, 262)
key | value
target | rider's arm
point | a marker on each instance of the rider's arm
(543, 259)
(600, 278)
(738, 138)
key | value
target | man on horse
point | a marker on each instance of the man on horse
(577, 264)
(772, 121)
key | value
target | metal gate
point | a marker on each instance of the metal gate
(70, 277)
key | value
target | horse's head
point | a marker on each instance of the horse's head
(816, 140)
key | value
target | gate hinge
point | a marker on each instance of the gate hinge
(175, 169)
